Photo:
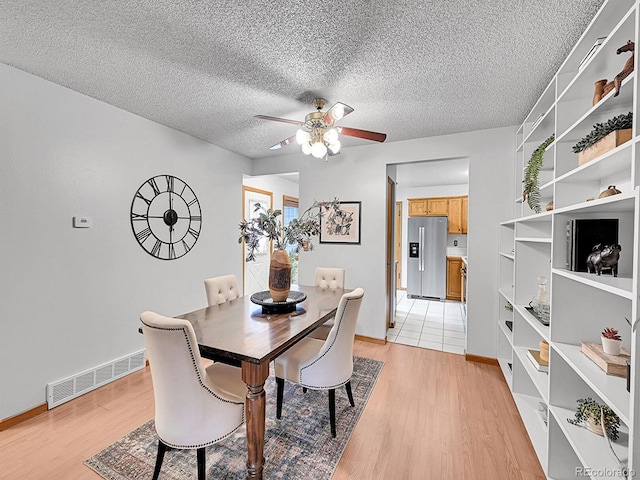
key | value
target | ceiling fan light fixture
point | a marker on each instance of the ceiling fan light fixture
(302, 136)
(319, 134)
(318, 150)
(330, 136)
(338, 112)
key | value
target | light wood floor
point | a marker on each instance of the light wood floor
(432, 415)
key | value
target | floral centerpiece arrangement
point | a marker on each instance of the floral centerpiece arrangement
(267, 224)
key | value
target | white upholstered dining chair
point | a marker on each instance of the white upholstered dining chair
(194, 407)
(221, 289)
(323, 365)
(327, 277)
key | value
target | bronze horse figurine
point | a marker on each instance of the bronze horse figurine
(603, 87)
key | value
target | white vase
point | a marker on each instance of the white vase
(611, 347)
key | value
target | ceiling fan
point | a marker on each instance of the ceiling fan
(318, 135)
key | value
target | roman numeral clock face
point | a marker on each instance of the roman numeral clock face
(166, 217)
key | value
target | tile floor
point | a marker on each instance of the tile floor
(429, 324)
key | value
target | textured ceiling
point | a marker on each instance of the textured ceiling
(410, 69)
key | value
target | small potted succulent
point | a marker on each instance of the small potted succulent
(593, 415)
(611, 341)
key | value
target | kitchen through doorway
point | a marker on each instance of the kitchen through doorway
(429, 322)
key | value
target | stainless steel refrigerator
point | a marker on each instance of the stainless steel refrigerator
(427, 259)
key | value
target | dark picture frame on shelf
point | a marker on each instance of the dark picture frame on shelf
(341, 225)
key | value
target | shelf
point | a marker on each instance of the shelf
(605, 109)
(623, 202)
(545, 126)
(592, 450)
(537, 430)
(539, 379)
(510, 256)
(621, 286)
(616, 160)
(620, 23)
(542, 330)
(533, 240)
(611, 389)
(506, 371)
(537, 217)
(605, 21)
(506, 295)
(507, 333)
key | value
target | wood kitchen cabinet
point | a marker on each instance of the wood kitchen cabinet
(456, 208)
(465, 214)
(438, 206)
(454, 278)
(422, 207)
(458, 214)
(417, 207)
(455, 215)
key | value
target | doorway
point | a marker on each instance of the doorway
(255, 275)
(278, 191)
(434, 324)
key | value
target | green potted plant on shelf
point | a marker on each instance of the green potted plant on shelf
(267, 224)
(531, 192)
(595, 416)
(594, 143)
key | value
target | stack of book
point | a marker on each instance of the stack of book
(536, 360)
(611, 364)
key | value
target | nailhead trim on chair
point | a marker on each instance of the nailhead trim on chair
(195, 366)
(339, 322)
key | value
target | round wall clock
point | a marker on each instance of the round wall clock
(166, 217)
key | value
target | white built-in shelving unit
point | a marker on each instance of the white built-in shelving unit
(534, 244)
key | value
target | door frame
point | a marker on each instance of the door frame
(267, 193)
(390, 307)
(398, 245)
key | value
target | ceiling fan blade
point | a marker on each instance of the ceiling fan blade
(333, 114)
(366, 134)
(283, 120)
(283, 143)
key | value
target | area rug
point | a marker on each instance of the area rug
(299, 446)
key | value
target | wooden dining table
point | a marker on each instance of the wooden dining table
(237, 332)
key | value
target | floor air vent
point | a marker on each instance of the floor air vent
(69, 388)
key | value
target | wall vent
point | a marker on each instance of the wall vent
(69, 388)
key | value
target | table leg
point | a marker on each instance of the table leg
(255, 375)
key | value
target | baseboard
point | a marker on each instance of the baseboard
(24, 416)
(371, 339)
(480, 359)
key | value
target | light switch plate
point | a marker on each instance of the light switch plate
(81, 222)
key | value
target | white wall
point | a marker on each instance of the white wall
(360, 173)
(71, 298)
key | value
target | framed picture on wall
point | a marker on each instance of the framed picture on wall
(341, 225)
